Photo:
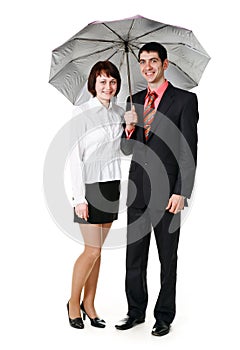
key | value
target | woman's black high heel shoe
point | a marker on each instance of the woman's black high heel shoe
(75, 322)
(95, 322)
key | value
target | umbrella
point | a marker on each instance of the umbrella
(119, 41)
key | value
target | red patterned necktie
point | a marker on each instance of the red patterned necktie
(149, 112)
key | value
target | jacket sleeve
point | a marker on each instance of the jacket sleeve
(188, 147)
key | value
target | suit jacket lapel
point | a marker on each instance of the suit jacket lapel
(139, 106)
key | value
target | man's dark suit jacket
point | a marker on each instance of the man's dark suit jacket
(164, 164)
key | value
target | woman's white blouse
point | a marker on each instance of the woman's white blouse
(96, 155)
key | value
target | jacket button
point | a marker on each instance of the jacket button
(146, 163)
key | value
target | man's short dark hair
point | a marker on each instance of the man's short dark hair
(156, 47)
(100, 67)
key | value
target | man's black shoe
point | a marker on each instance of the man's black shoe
(129, 322)
(161, 328)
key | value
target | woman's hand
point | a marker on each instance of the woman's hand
(81, 211)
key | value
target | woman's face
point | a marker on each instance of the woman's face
(105, 87)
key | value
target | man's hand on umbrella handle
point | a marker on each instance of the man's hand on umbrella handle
(131, 119)
(82, 211)
(175, 204)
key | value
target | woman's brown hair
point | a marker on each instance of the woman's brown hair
(100, 67)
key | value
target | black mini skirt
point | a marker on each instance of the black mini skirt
(103, 202)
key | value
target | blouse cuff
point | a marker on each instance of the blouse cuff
(129, 133)
(79, 200)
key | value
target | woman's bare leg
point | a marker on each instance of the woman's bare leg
(91, 283)
(94, 237)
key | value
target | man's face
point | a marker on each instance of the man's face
(151, 67)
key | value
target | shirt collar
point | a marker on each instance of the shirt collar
(97, 103)
(159, 91)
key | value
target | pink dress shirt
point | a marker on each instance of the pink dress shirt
(159, 91)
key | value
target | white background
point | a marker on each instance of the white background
(37, 258)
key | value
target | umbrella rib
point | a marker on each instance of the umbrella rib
(134, 45)
(122, 60)
(182, 71)
(115, 52)
(189, 46)
(133, 51)
(93, 53)
(179, 43)
(131, 26)
(160, 28)
(98, 40)
(113, 31)
(80, 57)
(150, 32)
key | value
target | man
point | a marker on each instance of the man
(161, 134)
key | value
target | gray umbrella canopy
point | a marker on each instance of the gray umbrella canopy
(119, 41)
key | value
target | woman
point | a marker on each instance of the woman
(95, 172)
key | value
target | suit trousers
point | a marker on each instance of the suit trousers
(166, 228)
